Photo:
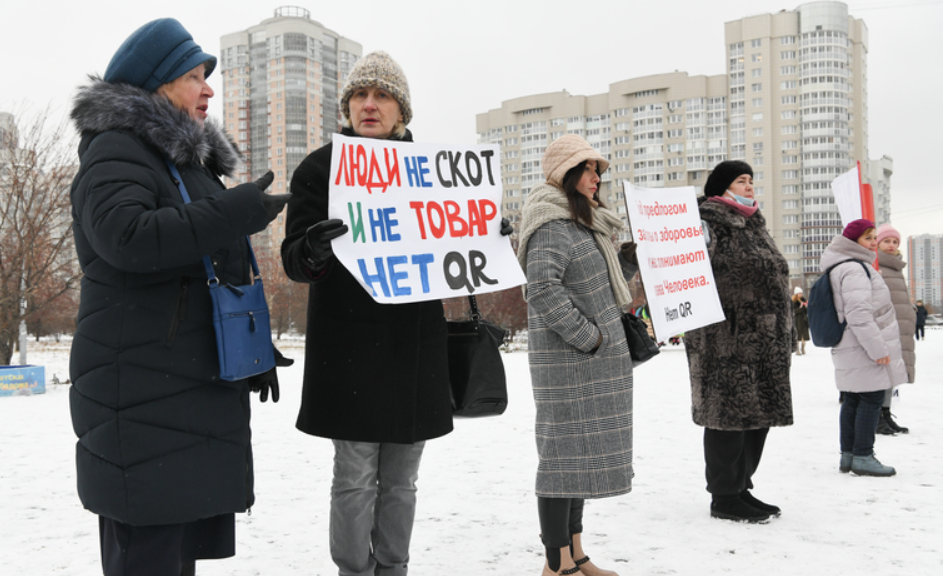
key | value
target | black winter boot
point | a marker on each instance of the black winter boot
(888, 418)
(733, 508)
(883, 427)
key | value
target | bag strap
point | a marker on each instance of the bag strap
(473, 305)
(833, 266)
(207, 263)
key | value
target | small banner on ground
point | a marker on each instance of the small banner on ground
(424, 219)
(673, 261)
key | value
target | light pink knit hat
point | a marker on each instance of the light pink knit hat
(887, 231)
(566, 152)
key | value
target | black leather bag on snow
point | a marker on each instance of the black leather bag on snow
(641, 346)
(476, 369)
(240, 317)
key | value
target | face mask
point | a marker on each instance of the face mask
(748, 202)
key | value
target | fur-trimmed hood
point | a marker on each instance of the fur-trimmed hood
(101, 106)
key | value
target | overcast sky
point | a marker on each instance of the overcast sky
(464, 58)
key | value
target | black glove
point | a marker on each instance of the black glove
(628, 252)
(318, 239)
(273, 203)
(506, 228)
(269, 380)
(263, 383)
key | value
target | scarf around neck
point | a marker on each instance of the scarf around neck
(546, 203)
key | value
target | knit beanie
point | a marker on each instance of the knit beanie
(887, 231)
(157, 53)
(856, 228)
(378, 69)
(798, 290)
(566, 152)
(723, 176)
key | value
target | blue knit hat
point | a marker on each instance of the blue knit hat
(157, 53)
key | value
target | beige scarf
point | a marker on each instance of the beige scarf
(546, 203)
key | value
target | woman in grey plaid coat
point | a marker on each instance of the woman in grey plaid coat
(580, 366)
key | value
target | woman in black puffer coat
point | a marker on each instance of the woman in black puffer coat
(163, 455)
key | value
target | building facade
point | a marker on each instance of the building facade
(925, 269)
(792, 103)
(281, 84)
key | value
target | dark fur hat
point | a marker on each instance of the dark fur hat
(723, 175)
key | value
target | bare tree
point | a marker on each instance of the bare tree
(287, 300)
(37, 260)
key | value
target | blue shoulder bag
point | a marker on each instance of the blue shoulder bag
(240, 317)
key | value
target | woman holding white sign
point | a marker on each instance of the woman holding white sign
(376, 376)
(740, 367)
(581, 370)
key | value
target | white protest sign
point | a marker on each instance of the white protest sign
(673, 261)
(847, 191)
(424, 219)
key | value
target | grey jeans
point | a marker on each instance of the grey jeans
(373, 504)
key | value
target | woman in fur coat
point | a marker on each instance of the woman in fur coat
(740, 367)
(868, 359)
(892, 270)
(580, 366)
(163, 456)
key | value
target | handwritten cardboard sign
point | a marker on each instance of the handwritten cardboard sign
(673, 261)
(424, 219)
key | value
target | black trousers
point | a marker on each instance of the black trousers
(167, 550)
(560, 518)
(731, 457)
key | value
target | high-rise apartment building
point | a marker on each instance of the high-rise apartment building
(793, 104)
(925, 269)
(281, 83)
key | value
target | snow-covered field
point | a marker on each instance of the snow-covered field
(477, 512)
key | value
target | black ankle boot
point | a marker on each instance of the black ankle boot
(759, 504)
(733, 508)
(883, 427)
(888, 418)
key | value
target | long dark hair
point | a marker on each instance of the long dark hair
(580, 208)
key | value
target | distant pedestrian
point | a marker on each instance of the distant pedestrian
(800, 309)
(868, 359)
(921, 320)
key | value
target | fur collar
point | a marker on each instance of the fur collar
(101, 106)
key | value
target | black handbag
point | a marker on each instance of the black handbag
(476, 369)
(641, 346)
(240, 317)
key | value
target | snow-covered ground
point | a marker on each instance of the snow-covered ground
(477, 512)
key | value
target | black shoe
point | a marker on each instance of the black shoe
(883, 427)
(759, 504)
(888, 419)
(733, 508)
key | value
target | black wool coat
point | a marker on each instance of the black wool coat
(740, 367)
(162, 440)
(373, 372)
